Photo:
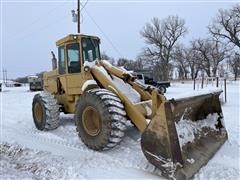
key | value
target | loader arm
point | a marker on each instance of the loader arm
(133, 113)
(163, 142)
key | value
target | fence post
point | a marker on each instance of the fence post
(225, 90)
(194, 83)
(217, 81)
(202, 82)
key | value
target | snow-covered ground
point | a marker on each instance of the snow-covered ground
(29, 153)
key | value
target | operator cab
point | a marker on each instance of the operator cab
(75, 50)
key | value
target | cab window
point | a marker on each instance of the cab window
(139, 76)
(73, 58)
(90, 49)
(61, 62)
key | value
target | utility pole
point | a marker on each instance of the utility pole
(4, 71)
(76, 16)
(78, 19)
(6, 76)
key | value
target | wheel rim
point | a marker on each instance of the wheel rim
(91, 121)
(38, 112)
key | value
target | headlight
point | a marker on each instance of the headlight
(86, 68)
(74, 37)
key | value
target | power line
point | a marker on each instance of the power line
(46, 26)
(104, 34)
(83, 6)
(49, 24)
(43, 27)
(27, 27)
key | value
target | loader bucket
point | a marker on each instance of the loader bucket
(184, 134)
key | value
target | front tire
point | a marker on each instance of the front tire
(45, 111)
(100, 119)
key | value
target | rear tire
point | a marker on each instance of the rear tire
(45, 111)
(100, 119)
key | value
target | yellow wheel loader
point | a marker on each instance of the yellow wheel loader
(179, 136)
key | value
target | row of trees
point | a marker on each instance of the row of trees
(164, 53)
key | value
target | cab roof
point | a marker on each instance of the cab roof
(72, 37)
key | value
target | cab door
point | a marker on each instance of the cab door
(62, 85)
(75, 76)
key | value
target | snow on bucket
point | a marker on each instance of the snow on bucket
(184, 134)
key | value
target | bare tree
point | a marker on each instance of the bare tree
(130, 64)
(104, 56)
(222, 69)
(227, 25)
(161, 36)
(188, 61)
(234, 63)
(212, 52)
(181, 63)
(139, 63)
(193, 59)
(122, 62)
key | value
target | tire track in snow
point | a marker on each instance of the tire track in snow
(71, 150)
(49, 137)
(18, 162)
(25, 163)
(64, 141)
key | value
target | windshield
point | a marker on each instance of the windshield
(90, 49)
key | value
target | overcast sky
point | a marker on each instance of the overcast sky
(31, 28)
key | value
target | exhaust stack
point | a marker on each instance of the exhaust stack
(54, 61)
